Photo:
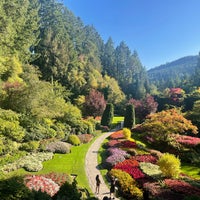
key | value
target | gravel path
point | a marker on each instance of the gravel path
(91, 167)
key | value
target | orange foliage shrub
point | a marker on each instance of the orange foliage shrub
(162, 124)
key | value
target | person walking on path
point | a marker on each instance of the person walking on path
(92, 167)
(112, 187)
(98, 182)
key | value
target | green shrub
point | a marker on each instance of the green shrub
(127, 185)
(129, 118)
(74, 140)
(33, 165)
(8, 146)
(169, 165)
(127, 133)
(68, 191)
(28, 162)
(10, 158)
(30, 146)
(107, 116)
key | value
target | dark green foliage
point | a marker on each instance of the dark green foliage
(107, 116)
(14, 189)
(69, 192)
(129, 118)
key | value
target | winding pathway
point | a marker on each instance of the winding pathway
(92, 169)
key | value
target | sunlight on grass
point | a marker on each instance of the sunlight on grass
(72, 163)
(117, 119)
(192, 171)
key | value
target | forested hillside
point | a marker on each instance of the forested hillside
(173, 74)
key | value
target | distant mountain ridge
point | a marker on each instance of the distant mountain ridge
(178, 69)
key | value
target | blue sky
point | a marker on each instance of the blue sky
(159, 30)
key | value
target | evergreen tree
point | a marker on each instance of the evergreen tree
(108, 58)
(19, 28)
(107, 116)
(129, 118)
(196, 77)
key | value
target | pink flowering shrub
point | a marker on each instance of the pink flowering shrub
(187, 140)
(41, 183)
(59, 178)
(118, 151)
(145, 158)
(113, 143)
(117, 135)
(183, 187)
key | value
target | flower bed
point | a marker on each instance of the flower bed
(59, 178)
(113, 143)
(117, 151)
(150, 169)
(145, 158)
(182, 187)
(41, 183)
(135, 172)
(127, 144)
(117, 135)
(187, 140)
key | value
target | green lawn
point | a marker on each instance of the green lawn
(72, 163)
(193, 171)
(117, 119)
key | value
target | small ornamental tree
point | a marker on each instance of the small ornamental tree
(129, 118)
(160, 126)
(94, 103)
(107, 116)
(144, 107)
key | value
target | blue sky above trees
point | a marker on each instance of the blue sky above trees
(160, 31)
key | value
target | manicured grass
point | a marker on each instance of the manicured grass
(190, 170)
(72, 163)
(117, 119)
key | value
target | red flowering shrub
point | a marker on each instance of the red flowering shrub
(182, 187)
(117, 135)
(158, 192)
(145, 158)
(127, 144)
(135, 172)
(128, 162)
